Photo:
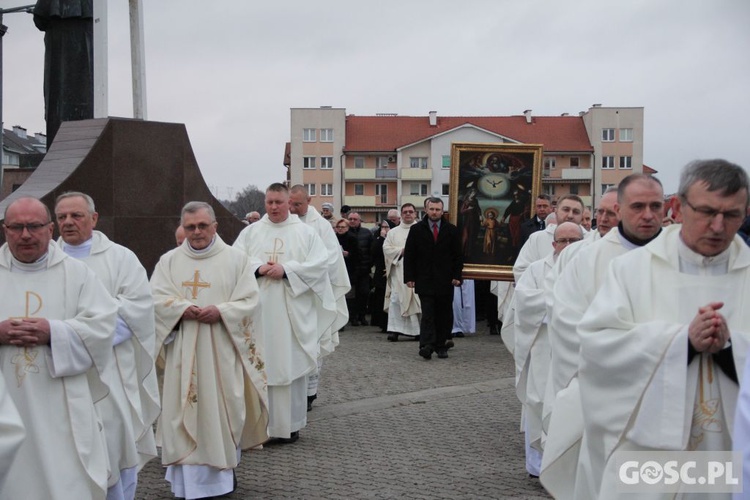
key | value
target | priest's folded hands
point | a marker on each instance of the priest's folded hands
(708, 331)
(25, 332)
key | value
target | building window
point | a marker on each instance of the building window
(359, 162)
(308, 135)
(574, 189)
(606, 186)
(550, 163)
(326, 135)
(446, 161)
(359, 189)
(11, 159)
(608, 135)
(608, 162)
(326, 162)
(626, 135)
(383, 161)
(381, 190)
(417, 189)
(626, 162)
(326, 190)
(417, 162)
(549, 189)
(446, 189)
(310, 189)
(574, 160)
(308, 162)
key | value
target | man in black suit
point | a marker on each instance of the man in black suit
(542, 208)
(433, 265)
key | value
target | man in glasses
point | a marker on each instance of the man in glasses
(639, 208)
(663, 339)
(55, 347)
(214, 399)
(132, 405)
(531, 352)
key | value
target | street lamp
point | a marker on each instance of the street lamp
(3, 29)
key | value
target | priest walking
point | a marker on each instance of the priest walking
(214, 398)
(290, 262)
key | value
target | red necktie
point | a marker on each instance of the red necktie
(435, 231)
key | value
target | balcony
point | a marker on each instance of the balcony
(360, 174)
(361, 201)
(386, 173)
(577, 174)
(414, 199)
(416, 174)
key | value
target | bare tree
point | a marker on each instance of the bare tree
(249, 199)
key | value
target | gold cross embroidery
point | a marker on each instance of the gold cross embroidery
(196, 284)
(278, 246)
(25, 359)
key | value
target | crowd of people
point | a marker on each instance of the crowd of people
(631, 337)
(625, 337)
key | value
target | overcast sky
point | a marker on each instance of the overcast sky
(230, 70)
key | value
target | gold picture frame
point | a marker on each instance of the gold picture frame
(492, 189)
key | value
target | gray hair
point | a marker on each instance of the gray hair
(192, 207)
(719, 175)
(73, 194)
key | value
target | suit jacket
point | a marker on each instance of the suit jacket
(433, 265)
(528, 227)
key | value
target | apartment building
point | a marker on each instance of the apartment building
(375, 163)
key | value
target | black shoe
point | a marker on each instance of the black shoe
(425, 352)
(493, 330)
(449, 344)
(533, 476)
(291, 439)
(310, 400)
(442, 354)
(393, 337)
(458, 334)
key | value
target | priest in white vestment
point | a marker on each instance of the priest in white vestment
(531, 352)
(214, 400)
(55, 346)
(665, 339)
(290, 261)
(639, 207)
(299, 204)
(402, 304)
(132, 405)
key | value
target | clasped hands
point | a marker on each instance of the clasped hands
(272, 270)
(208, 314)
(708, 331)
(25, 332)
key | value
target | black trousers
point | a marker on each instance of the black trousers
(437, 321)
(361, 287)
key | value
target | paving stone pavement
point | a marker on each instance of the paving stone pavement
(389, 424)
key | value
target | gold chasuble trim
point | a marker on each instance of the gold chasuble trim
(25, 358)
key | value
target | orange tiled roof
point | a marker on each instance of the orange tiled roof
(648, 170)
(388, 133)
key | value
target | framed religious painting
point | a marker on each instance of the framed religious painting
(492, 189)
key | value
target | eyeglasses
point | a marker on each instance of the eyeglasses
(407, 212)
(192, 227)
(342, 227)
(709, 214)
(32, 228)
(568, 240)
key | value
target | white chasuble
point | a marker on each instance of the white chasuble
(214, 399)
(12, 431)
(54, 387)
(131, 408)
(402, 304)
(296, 308)
(336, 273)
(634, 345)
(532, 352)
